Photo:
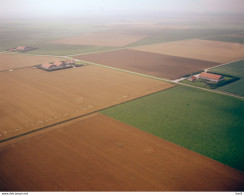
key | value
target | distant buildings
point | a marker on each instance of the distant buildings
(57, 65)
(22, 49)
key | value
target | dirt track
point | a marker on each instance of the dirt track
(11, 61)
(215, 51)
(159, 65)
(97, 153)
(33, 98)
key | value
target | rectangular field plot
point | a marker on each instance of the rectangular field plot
(97, 153)
(215, 51)
(12, 61)
(159, 65)
(33, 98)
(234, 69)
(208, 123)
(234, 38)
(103, 38)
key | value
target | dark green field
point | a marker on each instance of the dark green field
(234, 69)
(226, 38)
(208, 123)
(202, 83)
(182, 34)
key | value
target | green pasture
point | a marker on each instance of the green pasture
(234, 69)
(168, 35)
(228, 38)
(208, 123)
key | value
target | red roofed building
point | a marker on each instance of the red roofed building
(192, 78)
(58, 63)
(20, 48)
(47, 65)
(210, 77)
(70, 62)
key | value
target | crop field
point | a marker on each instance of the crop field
(235, 38)
(215, 51)
(153, 64)
(174, 34)
(40, 34)
(117, 35)
(32, 98)
(207, 123)
(102, 38)
(12, 61)
(97, 153)
(235, 69)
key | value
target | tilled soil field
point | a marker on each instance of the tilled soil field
(215, 51)
(97, 153)
(159, 65)
(12, 61)
(33, 98)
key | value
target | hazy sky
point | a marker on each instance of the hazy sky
(56, 8)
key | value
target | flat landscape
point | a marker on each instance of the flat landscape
(207, 123)
(234, 38)
(103, 38)
(12, 61)
(159, 65)
(215, 51)
(233, 69)
(126, 110)
(33, 98)
(97, 153)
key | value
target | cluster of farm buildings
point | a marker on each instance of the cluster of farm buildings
(57, 65)
(207, 76)
(22, 49)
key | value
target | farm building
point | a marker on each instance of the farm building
(21, 49)
(210, 77)
(58, 65)
(192, 78)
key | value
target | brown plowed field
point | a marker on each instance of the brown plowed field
(33, 98)
(153, 64)
(215, 51)
(103, 38)
(97, 153)
(11, 61)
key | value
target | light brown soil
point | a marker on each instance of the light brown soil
(215, 51)
(11, 61)
(33, 98)
(103, 38)
(159, 65)
(97, 153)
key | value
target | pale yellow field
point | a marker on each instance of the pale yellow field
(215, 51)
(11, 61)
(33, 98)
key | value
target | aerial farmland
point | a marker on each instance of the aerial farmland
(118, 98)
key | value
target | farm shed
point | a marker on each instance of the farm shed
(211, 77)
(192, 78)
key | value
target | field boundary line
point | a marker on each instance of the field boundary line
(12, 69)
(79, 116)
(128, 47)
(162, 79)
(223, 64)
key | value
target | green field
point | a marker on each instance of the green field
(234, 69)
(227, 38)
(182, 34)
(39, 34)
(208, 123)
(204, 84)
